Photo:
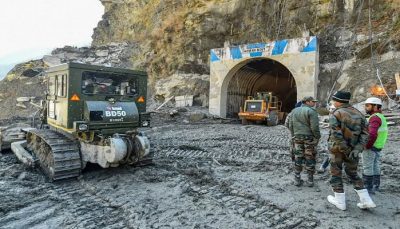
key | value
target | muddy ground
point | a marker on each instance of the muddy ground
(205, 175)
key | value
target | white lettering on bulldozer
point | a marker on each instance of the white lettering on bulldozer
(116, 108)
(115, 113)
(117, 120)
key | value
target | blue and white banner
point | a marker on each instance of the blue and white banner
(289, 46)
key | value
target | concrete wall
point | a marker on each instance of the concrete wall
(299, 56)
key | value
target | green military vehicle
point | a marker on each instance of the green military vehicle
(91, 114)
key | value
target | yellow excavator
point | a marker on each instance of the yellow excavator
(262, 108)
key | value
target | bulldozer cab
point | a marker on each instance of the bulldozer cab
(266, 100)
(95, 97)
(95, 83)
(274, 103)
(264, 106)
(263, 96)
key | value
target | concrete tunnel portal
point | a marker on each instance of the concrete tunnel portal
(287, 68)
(260, 75)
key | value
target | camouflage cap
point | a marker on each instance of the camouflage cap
(309, 99)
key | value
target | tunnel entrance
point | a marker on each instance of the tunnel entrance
(261, 75)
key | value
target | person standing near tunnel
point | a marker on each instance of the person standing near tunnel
(304, 127)
(291, 142)
(347, 137)
(378, 133)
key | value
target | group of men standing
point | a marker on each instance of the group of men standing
(350, 136)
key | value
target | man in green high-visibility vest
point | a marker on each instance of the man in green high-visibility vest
(378, 132)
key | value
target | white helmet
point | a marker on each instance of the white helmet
(331, 108)
(373, 100)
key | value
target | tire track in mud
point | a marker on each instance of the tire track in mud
(262, 147)
(65, 205)
(29, 201)
(188, 180)
(256, 211)
(86, 209)
(243, 143)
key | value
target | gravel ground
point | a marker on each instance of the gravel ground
(205, 175)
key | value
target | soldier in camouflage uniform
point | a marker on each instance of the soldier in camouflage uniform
(304, 127)
(291, 143)
(347, 138)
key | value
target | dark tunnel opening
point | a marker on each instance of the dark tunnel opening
(261, 75)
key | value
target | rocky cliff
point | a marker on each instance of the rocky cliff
(175, 36)
(171, 39)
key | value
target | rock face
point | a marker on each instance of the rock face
(184, 84)
(171, 40)
(113, 55)
(176, 35)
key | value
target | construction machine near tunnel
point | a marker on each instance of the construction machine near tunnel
(90, 114)
(262, 108)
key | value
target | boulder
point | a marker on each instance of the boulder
(23, 99)
(32, 72)
(50, 60)
(196, 116)
(201, 100)
(173, 112)
(71, 56)
(21, 105)
(90, 59)
(182, 109)
(26, 70)
(102, 53)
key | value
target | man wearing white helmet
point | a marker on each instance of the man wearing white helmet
(378, 132)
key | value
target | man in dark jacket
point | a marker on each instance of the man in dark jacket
(304, 127)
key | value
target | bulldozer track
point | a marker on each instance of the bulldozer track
(59, 157)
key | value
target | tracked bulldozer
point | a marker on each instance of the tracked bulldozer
(90, 114)
(264, 107)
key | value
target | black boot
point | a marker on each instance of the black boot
(310, 180)
(368, 183)
(297, 180)
(376, 182)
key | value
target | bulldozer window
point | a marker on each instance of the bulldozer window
(52, 85)
(51, 109)
(61, 85)
(100, 83)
